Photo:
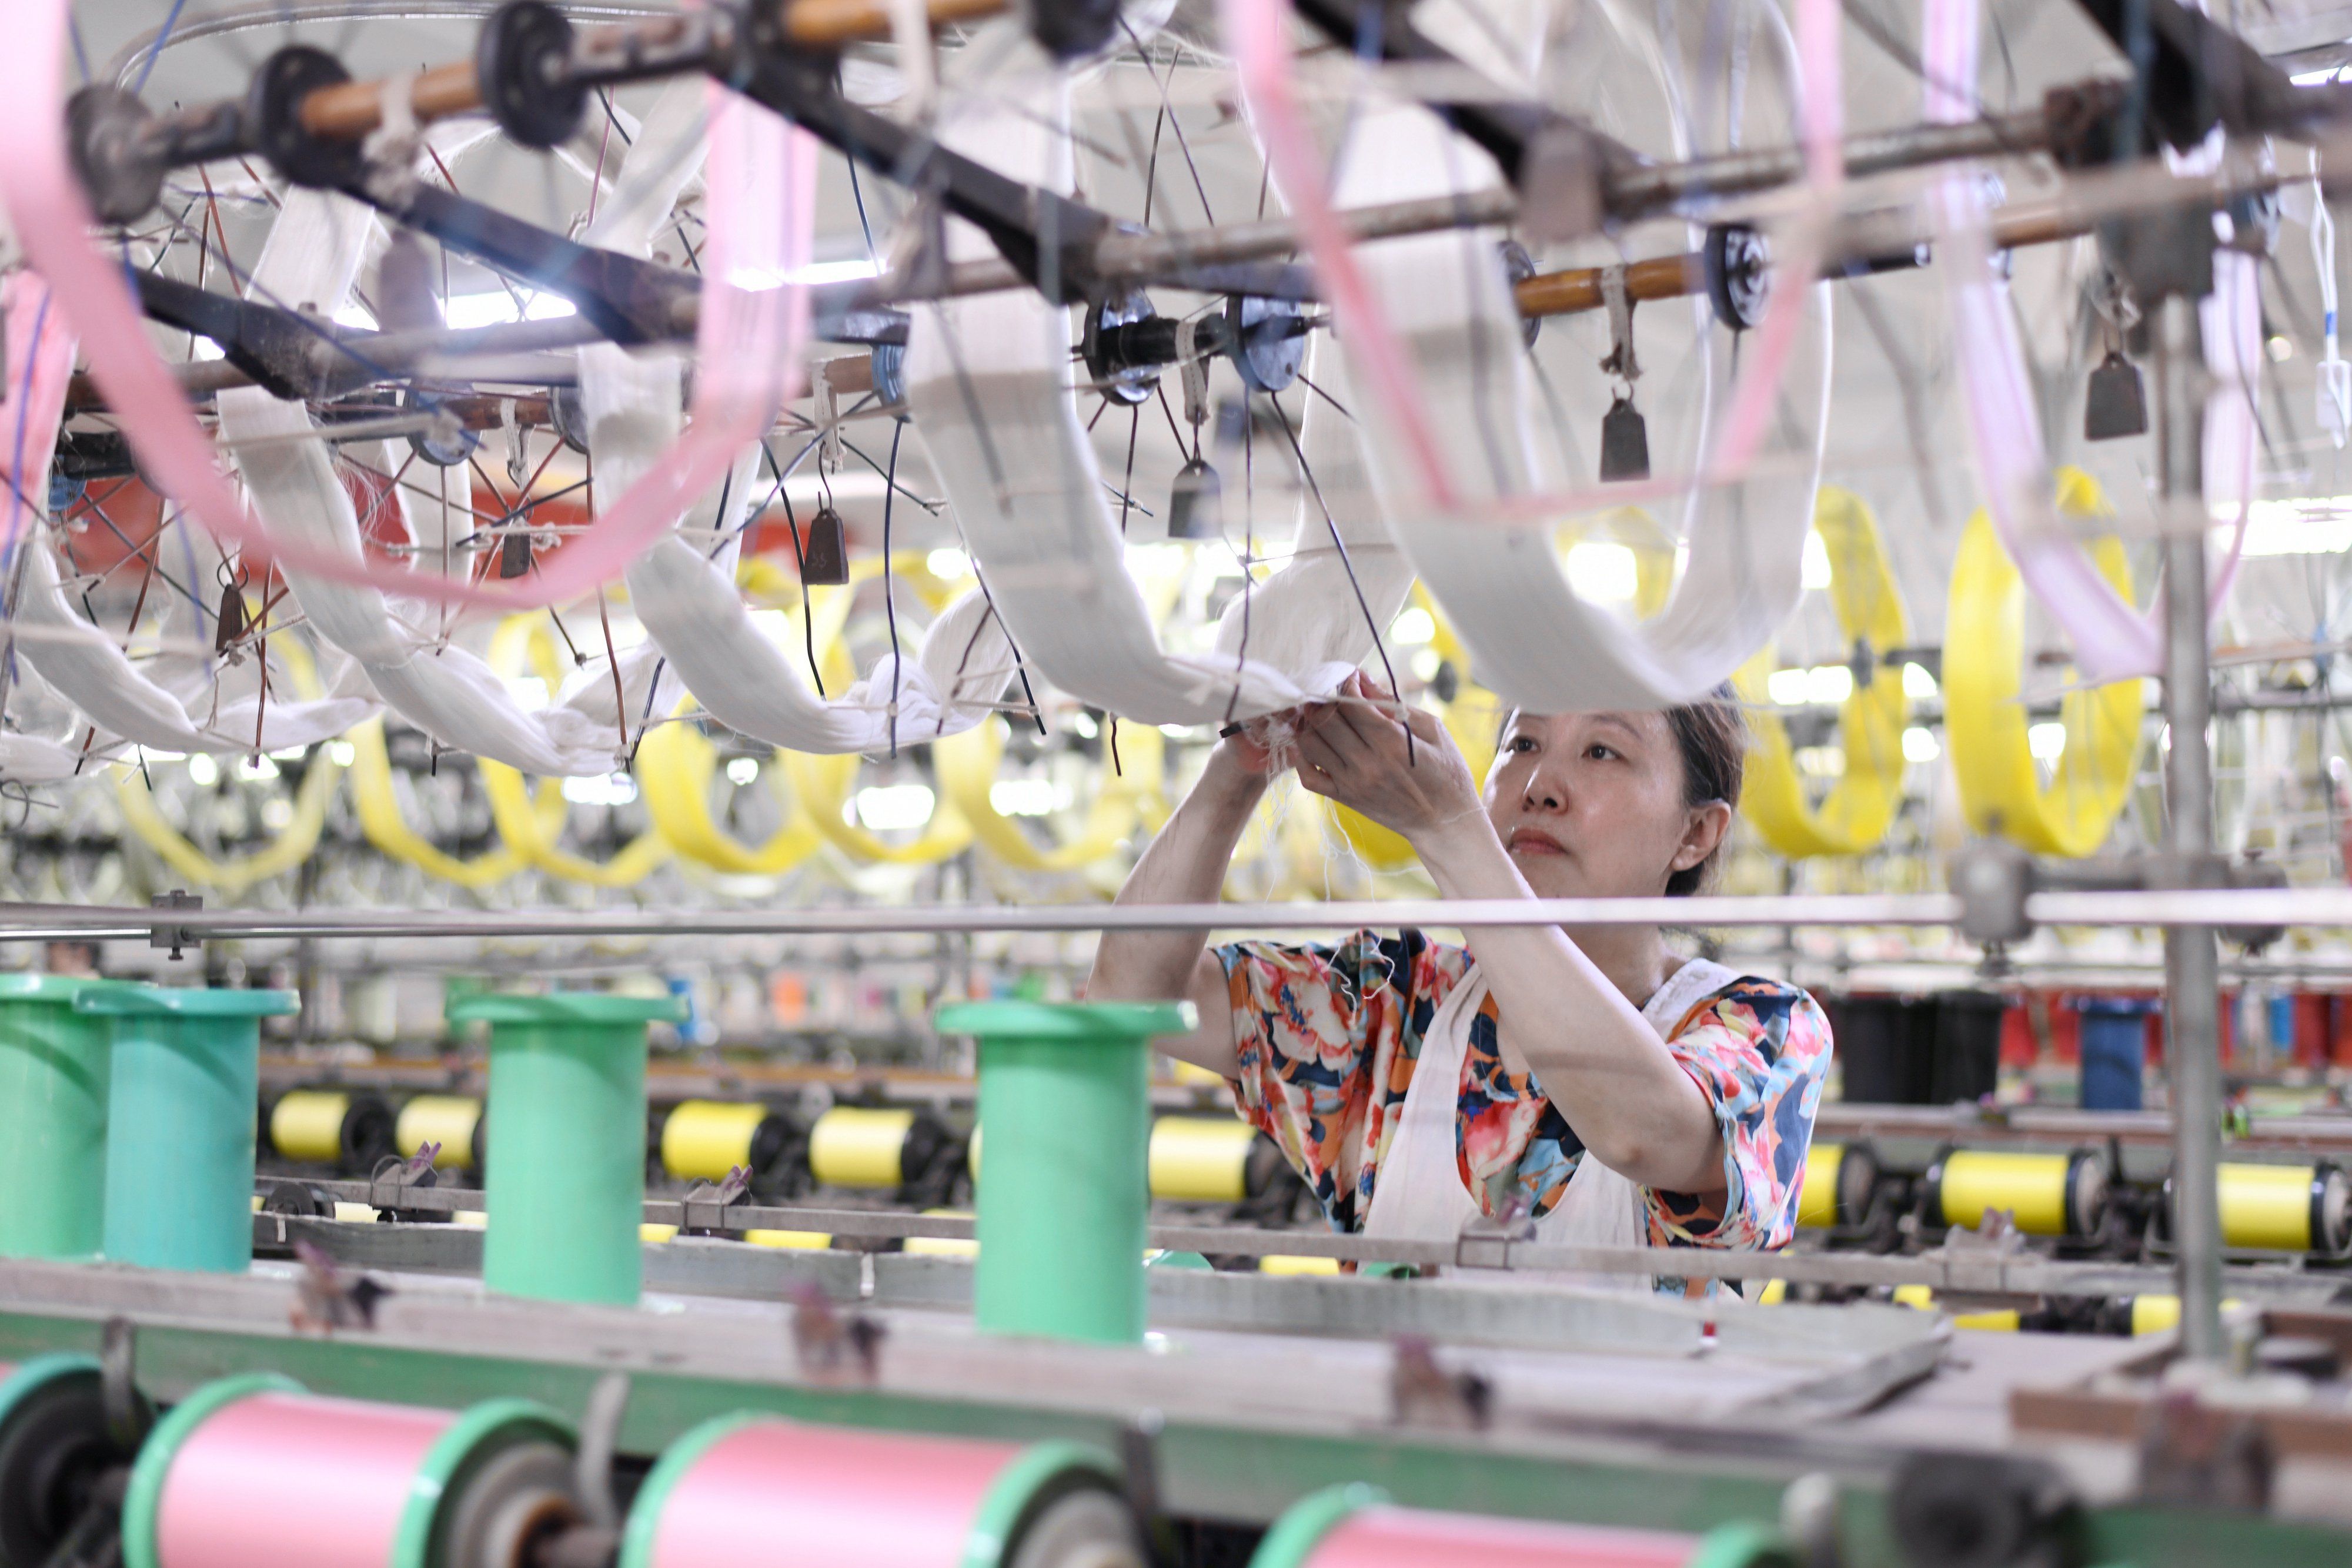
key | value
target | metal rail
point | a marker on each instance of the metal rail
(2230, 907)
(1961, 1270)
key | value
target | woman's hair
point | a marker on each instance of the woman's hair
(1712, 737)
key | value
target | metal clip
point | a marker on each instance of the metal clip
(176, 937)
(395, 1179)
(703, 1209)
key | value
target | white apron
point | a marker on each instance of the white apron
(1418, 1193)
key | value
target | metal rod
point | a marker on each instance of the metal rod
(2193, 1014)
(1950, 1270)
(2298, 906)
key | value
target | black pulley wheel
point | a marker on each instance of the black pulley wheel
(273, 112)
(103, 127)
(523, 63)
(1067, 29)
(1738, 276)
(55, 1454)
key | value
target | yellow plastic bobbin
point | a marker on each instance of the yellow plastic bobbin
(2287, 1209)
(307, 1125)
(377, 799)
(674, 764)
(1985, 717)
(702, 1140)
(2049, 1194)
(1854, 816)
(520, 827)
(1133, 794)
(1200, 1159)
(943, 1246)
(449, 1120)
(855, 1146)
(790, 1241)
(1839, 1181)
(1290, 1266)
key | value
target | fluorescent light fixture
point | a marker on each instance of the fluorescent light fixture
(948, 563)
(203, 771)
(1919, 745)
(255, 769)
(1815, 567)
(884, 807)
(758, 278)
(1028, 797)
(343, 752)
(1084, 723)
(1603, 572)
(743, 770)
(497, 308)
(1918, 684)
(601, 789)
(1822, 761)
(2303, 525)
(1413, 627)
(2047, 742)
(1829, 684)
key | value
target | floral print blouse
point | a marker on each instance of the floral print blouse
(1329, 1037)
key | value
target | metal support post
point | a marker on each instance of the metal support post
(2193, 980)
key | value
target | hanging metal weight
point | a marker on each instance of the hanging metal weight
(523, 63)
(1624, 434)
(2114, 400)
(1067, 29)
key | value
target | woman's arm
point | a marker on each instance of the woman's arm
(1599, 1060)
(1185, 863)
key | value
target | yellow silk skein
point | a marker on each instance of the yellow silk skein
(1855, 813)
(1985, 715)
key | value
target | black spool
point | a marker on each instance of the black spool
(57, 1458)
(523, 65)
(273, 113)
(1982, 1510)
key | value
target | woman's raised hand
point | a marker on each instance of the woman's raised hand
(1353, 749)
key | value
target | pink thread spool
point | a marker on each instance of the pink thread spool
(1355, 1527)
(728, 1491)
(252, 1470)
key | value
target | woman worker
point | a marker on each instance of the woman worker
(1583, 1076)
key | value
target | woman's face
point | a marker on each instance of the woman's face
(1589, 805)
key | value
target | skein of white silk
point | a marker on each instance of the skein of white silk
(1532, 638)
(685, 594)
(311, 258)
(80, 662)
(988, 380)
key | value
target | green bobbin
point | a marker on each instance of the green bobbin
(180, 1122)
(54, 1071)
(1063, 1212)
(567, 1103)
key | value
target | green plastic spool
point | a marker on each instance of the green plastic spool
(53, 1087)
(1064, 1095)
(568, 1099)
(1304, 1525)
(180, 1122)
